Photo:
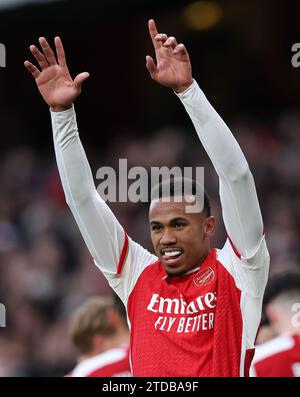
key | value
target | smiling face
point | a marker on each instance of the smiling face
(180, 239)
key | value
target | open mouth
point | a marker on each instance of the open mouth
(171, 255)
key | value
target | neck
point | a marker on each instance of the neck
(122, 338)
(289, 329)
(202, 259)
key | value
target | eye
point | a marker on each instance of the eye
(156, 228)
(179, 225)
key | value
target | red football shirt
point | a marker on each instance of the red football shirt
(278, 357)
(203, 323)
(114, 362)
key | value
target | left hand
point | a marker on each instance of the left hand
(173, 68)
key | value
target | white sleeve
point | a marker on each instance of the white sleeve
(240, 207)
(105, 238)
(250, 276)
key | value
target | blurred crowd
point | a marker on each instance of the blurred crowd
(46, 271)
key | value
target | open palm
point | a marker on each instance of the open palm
(54, 81)
(173, 68)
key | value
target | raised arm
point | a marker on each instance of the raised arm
(104, 236)
(240, 207)
(92, 215)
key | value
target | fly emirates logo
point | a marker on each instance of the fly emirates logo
(179, 316)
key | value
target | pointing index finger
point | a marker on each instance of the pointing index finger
(153, 33)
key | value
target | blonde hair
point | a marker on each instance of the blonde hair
(91, 319)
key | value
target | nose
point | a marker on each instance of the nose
(168, 237)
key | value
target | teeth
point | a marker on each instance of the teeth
(173, 253)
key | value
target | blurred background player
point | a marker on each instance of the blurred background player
(99, 332)
(280, 356)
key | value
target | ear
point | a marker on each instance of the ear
(114, 318)
(272, 314)
(209, 226)
(98, 344)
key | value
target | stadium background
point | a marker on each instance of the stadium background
(241, 57)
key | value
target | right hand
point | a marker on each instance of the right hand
(54, 81)
(173, 66)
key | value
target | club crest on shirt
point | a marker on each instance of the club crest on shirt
(204, 277)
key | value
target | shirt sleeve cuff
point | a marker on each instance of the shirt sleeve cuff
(185, 94)
(63, 114)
